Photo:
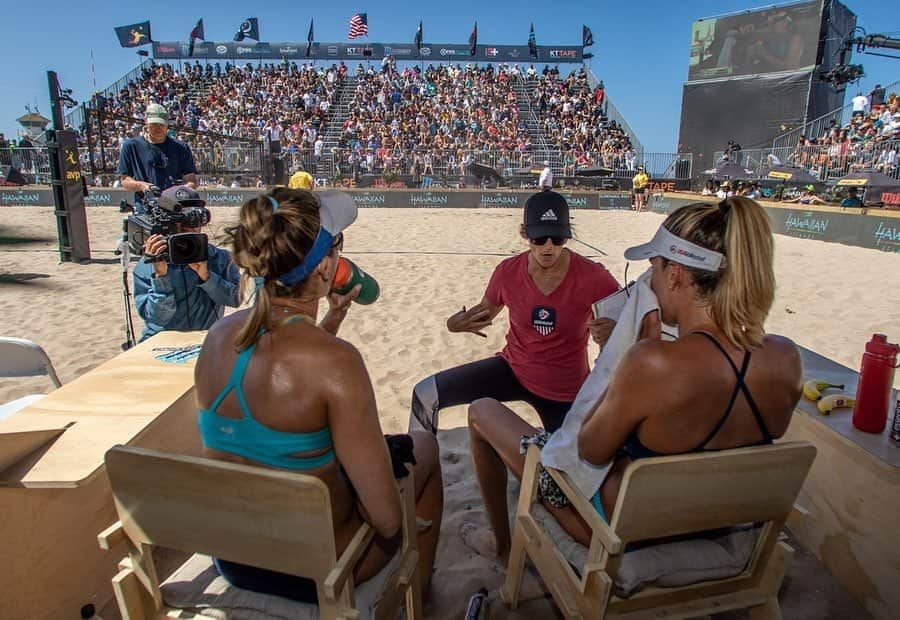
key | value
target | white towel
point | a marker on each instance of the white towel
(561, 450)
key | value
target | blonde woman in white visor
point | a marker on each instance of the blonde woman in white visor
(724, 383)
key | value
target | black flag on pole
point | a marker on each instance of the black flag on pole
(134, 35)
(532, 42)
(196, 33)
(249, 29)
(473, 40)
(418, 39)
(309, 38)
(587, 37)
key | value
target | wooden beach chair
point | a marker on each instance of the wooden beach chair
(276, 520)
(737, 568)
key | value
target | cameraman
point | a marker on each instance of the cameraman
(183, 297)
(155, 158)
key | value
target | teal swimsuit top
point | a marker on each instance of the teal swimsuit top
(248, 438)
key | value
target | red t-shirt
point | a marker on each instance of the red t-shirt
(546, 345)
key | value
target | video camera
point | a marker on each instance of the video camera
(162, 215)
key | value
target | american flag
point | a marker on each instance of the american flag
(359, 26)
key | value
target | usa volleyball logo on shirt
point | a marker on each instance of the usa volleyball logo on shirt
(543, 320)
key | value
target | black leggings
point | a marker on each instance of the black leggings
(493, 378)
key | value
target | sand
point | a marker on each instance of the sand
(830, 298)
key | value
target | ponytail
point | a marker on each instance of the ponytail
(741, 292)
(267, 242)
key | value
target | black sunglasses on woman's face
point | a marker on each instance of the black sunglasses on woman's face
(543, 240)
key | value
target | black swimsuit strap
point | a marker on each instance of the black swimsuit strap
(740, 386)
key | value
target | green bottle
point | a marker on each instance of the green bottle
(347, 275)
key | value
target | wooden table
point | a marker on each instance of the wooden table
(852, 496)
(54, 494)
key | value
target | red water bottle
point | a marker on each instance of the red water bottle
(876, 376)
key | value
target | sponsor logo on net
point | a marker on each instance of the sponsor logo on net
(20, 197)
(499, 199)
(805, 225)
(887, 237)
(429, 199)
(224, 197)
(369, 199)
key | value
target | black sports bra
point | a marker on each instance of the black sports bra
(637, 450)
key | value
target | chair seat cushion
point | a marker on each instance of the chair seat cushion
(197, 587)
(671, 564)
(13, 406)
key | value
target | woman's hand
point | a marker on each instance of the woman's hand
(651, 328)
(338, 305)
(601, 329)
(472, 320)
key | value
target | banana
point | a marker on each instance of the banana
(834, 401)
(812, 389)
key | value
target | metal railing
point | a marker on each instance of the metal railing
(818, 127)
(75, 118)
(612, 112)
(828, 161)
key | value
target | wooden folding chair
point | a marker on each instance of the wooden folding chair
(662, 497)
(270, 519)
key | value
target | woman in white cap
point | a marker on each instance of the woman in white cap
(723, 384)
(277, 388)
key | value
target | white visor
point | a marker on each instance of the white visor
(676, 249)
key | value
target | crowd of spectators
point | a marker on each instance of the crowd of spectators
(574, 122)
(868, 141)
(416, 121)
(284, 104)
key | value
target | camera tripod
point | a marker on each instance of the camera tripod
(123, 251)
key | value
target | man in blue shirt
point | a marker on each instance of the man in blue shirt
(852, 200)
(184, 297)
(154, 158)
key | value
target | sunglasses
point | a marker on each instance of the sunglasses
(543, 240)
(338, 243)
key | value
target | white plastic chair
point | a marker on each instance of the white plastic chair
(23, 358)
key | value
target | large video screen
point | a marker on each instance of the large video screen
(775, 39)
(749, 111)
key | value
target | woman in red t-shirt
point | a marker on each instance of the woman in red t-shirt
(549, 291)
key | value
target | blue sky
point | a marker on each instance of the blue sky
(641, 49)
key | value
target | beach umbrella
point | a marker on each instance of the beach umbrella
(793, 175)
(595, 170)
(484, 173)
(731, 170)
(531, 170)
(867, 178)
(875, 183)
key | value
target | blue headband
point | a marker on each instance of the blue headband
(315, 255)
(274, 203)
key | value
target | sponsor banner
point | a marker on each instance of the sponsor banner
(25, 197)
(887, 235)
(500, 199)
(613, 201)
(891, 199)
(440, 52)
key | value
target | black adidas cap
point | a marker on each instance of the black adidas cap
(547, 215)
